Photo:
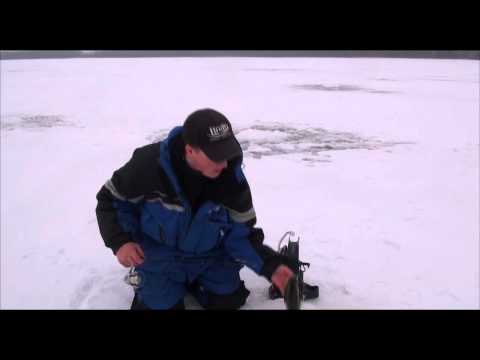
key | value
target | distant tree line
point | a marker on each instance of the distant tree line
(425, 54)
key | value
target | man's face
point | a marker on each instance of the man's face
(199, 161)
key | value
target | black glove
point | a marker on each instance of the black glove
(272, 260)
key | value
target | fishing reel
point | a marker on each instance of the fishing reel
(297, 290)
(133, 279)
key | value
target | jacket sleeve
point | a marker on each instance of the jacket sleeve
(246, 243)
(117, 203)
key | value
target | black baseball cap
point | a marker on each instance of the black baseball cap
(211, 131)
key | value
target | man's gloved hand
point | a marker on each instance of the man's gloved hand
(130, 254)
(281, 276)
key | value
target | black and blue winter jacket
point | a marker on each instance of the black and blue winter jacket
(156, 200)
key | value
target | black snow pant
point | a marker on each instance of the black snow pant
(233, 301)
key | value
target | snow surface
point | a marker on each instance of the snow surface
(373, 163)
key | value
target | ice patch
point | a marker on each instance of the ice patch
(277, 139)
(269, 139)
(14, 122)
(340, 88)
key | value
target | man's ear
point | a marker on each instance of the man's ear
(188, 149)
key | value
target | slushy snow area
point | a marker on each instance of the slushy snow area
(373, 163)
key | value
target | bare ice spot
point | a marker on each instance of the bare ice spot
(15, 122)
(280, 139)
(273, 139)
(340, 88)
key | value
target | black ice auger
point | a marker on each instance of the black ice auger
(296, 290)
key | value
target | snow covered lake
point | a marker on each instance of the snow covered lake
(373, 163)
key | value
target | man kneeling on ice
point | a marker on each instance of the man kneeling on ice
(180, 211)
